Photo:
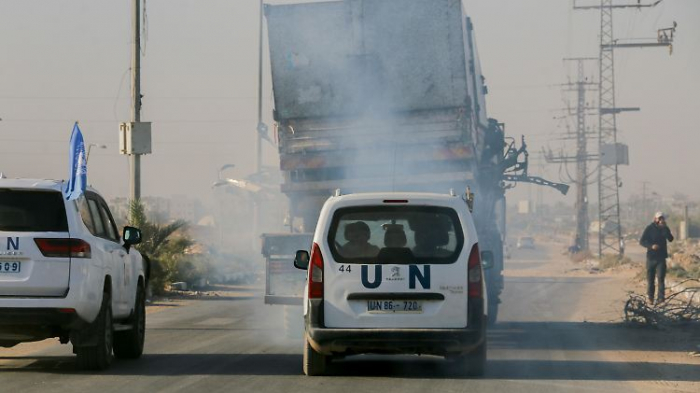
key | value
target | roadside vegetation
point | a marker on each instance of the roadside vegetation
(685, 260)
(166, 246)
(611, 261)
(177, 257)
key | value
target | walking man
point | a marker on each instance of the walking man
(654, 239)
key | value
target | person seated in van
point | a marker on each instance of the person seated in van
(394, 236)
(358, 246)
(429, 242)
(395, 250)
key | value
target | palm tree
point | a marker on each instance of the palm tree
(159, 245)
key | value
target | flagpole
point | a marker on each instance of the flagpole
(135, 159)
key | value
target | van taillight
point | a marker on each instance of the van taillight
(316, 273)
(474, 275)
(64, 248)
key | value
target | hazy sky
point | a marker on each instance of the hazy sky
(67, 60)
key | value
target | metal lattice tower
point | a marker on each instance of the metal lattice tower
(609, 230)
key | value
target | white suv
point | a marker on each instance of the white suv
(394, 273)
(66, 272)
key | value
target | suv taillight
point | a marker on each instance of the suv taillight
(316, 273)
(474, 273)
(64, 248)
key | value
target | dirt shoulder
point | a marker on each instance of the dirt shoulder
(665, 350)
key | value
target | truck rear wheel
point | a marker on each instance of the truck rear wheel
(314, 362)
(293, 322)
(129, 344)
(99, 356)
(493, 312)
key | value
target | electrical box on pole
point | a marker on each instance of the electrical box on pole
(135, 138)
(614, 154)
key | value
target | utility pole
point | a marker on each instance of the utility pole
(581, 157)
(645, 209)
(135, 136)
(611, 153)
(261, 128)
(135, 159)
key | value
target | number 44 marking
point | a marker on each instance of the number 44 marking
(345, 269)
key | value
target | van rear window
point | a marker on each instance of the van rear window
(32, 211)
(396, 235)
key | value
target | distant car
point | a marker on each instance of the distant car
(395, 273)
(66, 272)
(526, 242)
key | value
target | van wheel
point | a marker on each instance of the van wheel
(314, 362)
(99, 357)
(129, 344)
(474, 362)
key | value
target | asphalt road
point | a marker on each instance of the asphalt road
(236, 344)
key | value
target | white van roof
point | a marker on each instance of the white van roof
(412, 198)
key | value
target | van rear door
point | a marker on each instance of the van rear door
(34, 244)
(395, 266)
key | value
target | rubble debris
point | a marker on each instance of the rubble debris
(680, 307)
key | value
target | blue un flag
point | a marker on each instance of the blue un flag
(77, 180)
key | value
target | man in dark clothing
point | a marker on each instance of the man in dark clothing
(654, 239)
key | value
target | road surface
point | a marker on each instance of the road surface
(558, 332)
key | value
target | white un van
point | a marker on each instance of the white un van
(394, 273)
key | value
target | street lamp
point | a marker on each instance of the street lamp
(223, 168)
(87, 158)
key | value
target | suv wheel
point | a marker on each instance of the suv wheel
(128, 344)
(314, 362)
(99, 357)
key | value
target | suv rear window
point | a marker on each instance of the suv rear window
(32, 211)
(396, 235)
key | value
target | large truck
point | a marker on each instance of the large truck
(383, 95)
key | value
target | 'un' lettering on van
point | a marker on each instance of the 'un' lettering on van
(423, 277)
(414, 274)
(12, 244)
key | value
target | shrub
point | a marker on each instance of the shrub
(161, 244)
(610, 261)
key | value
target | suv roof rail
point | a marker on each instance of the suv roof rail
(337, 192)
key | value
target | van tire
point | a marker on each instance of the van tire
(474, 363)
(314, 362)
(129, 344)
(99, 357)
